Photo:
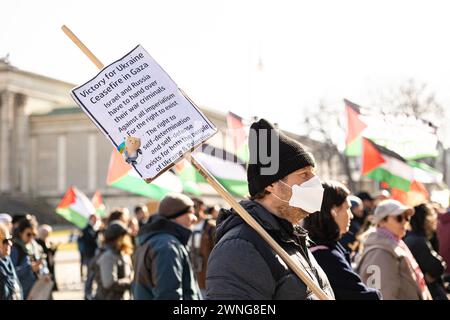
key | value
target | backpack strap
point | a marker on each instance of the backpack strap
(276, 268)
(317, 248)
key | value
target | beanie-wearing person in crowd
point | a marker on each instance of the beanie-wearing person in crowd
(386, 262)
(26, 263)
(49, 249)
(6, 220)
(423, 226)
(163, 267)
(325, 228)
(283, 192)
(10, 288)
(201, 243)
(115, 271)
(142, 214)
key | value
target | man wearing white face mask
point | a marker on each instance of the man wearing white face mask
(242, 265)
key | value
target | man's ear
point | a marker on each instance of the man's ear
(269, 188)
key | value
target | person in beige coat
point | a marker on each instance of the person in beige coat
(385, 262)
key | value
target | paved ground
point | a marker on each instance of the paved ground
(67, 267)
(67, 273)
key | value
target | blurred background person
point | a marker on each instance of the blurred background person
(213, 211)
(142, 214)
(88, 244)
(163, 268)
(115, 270)
(201, 242)
(133, 229)
(349, 239)
(6, 220)
(386, 262)
(121, 214)
(10, 288)
(368, 202)
(27, 265)
(325, 228)
(49, 249)
(443, 234)
(423, 226)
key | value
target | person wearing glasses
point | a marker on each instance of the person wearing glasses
(10, 288)
(386, 263)
(26, 265)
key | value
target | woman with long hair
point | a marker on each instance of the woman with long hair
(115, 270)
(325, 228)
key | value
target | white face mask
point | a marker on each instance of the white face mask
(307, 196)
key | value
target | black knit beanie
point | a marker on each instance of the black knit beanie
(291, 156)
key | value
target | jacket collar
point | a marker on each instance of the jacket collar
(279, 227)
(159, 224)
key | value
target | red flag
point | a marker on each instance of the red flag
(236, 129)
(371, 157)
(354, 125)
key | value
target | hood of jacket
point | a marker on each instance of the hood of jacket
(275, 226)
(160, 224)
(379, 240)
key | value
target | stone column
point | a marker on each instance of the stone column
(20, 139)
(62, 165)
(6, 153)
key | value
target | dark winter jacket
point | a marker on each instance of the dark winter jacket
(335, 261)
(10, 288)
(89, 241)
(242, 266)
(430, 262)
(163, 269)
(21, 259)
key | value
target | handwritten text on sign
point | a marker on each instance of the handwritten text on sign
(141, 110)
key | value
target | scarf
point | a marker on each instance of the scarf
(414, 266)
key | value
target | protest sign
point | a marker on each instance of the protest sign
(296, 268)
(142, 112)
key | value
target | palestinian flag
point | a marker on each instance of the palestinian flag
(425, 174)
(416, 195)
(384, 165)
(237, 131)
(97, 202)
(75, 207)
(123, 176)
(354, 129)
(226, 167)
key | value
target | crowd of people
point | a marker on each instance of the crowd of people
(353, 246)
(26, 258)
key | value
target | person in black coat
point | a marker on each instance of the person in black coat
(89, 244)
(325, 229)
(423, 226)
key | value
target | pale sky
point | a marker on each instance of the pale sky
(310, 50)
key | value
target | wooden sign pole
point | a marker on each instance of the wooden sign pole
(296, 268)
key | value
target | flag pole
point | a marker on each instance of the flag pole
(296, 268)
